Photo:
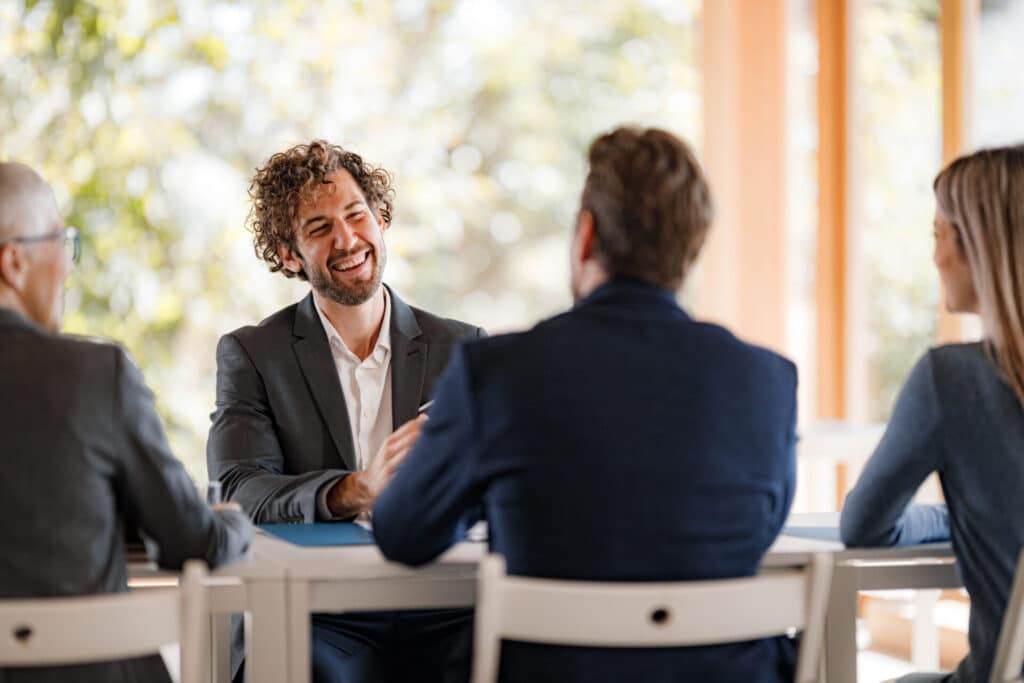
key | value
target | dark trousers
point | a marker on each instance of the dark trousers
(149, 668)
(422, 646)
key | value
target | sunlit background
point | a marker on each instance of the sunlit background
(149, 116)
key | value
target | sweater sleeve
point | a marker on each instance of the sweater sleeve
(877, 512)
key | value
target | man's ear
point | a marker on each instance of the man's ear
(290, 259)
(13, 266)
(383, 218)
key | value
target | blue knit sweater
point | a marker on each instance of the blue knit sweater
(955, 416)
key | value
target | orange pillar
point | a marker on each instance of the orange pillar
(742, 269)
(833, 206)
(957, 25)
(831, 268)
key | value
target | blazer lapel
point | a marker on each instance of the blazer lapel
(408, 362)
(314, 356)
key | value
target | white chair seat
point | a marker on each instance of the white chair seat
(676, 614)
(95, 628)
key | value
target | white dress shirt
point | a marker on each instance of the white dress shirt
(366, 385)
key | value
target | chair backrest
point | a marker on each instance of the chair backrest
(95, 628)
(1009, 657)
(676, 614)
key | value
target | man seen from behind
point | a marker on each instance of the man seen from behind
(619, 441)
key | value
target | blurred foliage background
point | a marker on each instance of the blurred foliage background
(898, 152)
(898, 91)
(149, 116)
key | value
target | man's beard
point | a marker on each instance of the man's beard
(351, 295)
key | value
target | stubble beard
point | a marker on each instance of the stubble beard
(354, 295)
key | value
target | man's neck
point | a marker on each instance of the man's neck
(358, 326)
(591, 276)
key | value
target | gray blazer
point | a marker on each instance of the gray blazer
(85, 457)
(280, 430)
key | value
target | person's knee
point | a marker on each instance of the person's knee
(328, 664)
(338, 658)
(921, 677)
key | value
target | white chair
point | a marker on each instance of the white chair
(1009, 657)
(94, 628)
(674, 614)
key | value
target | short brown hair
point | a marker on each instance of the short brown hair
(651, 205)
(294, 176)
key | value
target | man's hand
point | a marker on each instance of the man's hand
(357, 492)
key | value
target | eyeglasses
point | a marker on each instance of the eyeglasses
(72, 241)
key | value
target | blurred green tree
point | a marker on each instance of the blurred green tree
(899, 124)
(148, 116)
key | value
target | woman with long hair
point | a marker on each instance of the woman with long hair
(961, 411)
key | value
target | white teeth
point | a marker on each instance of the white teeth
(349, 264)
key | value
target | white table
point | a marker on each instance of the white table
(351, 578)
(255, 585)
(862, 569)
(929, 566)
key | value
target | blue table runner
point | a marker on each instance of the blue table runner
(320, 534)
(818, 533)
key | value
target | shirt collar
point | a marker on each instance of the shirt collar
(380, 350)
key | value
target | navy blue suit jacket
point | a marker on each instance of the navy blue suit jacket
(620, 440)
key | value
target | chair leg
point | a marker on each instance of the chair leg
(220, 648)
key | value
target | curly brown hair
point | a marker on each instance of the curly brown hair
(296, 175)
(651, 204)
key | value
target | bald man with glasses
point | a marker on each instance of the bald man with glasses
(83, 450)
(36, 250)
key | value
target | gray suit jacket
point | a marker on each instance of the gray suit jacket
(85, 457)
(281, 429)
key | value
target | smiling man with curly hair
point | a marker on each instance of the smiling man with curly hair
(317, 405)
(294, 180)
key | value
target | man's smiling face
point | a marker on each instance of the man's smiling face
(339, 243)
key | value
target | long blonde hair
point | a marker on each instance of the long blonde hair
(982, 195)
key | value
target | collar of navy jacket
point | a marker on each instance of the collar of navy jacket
(621, 290)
